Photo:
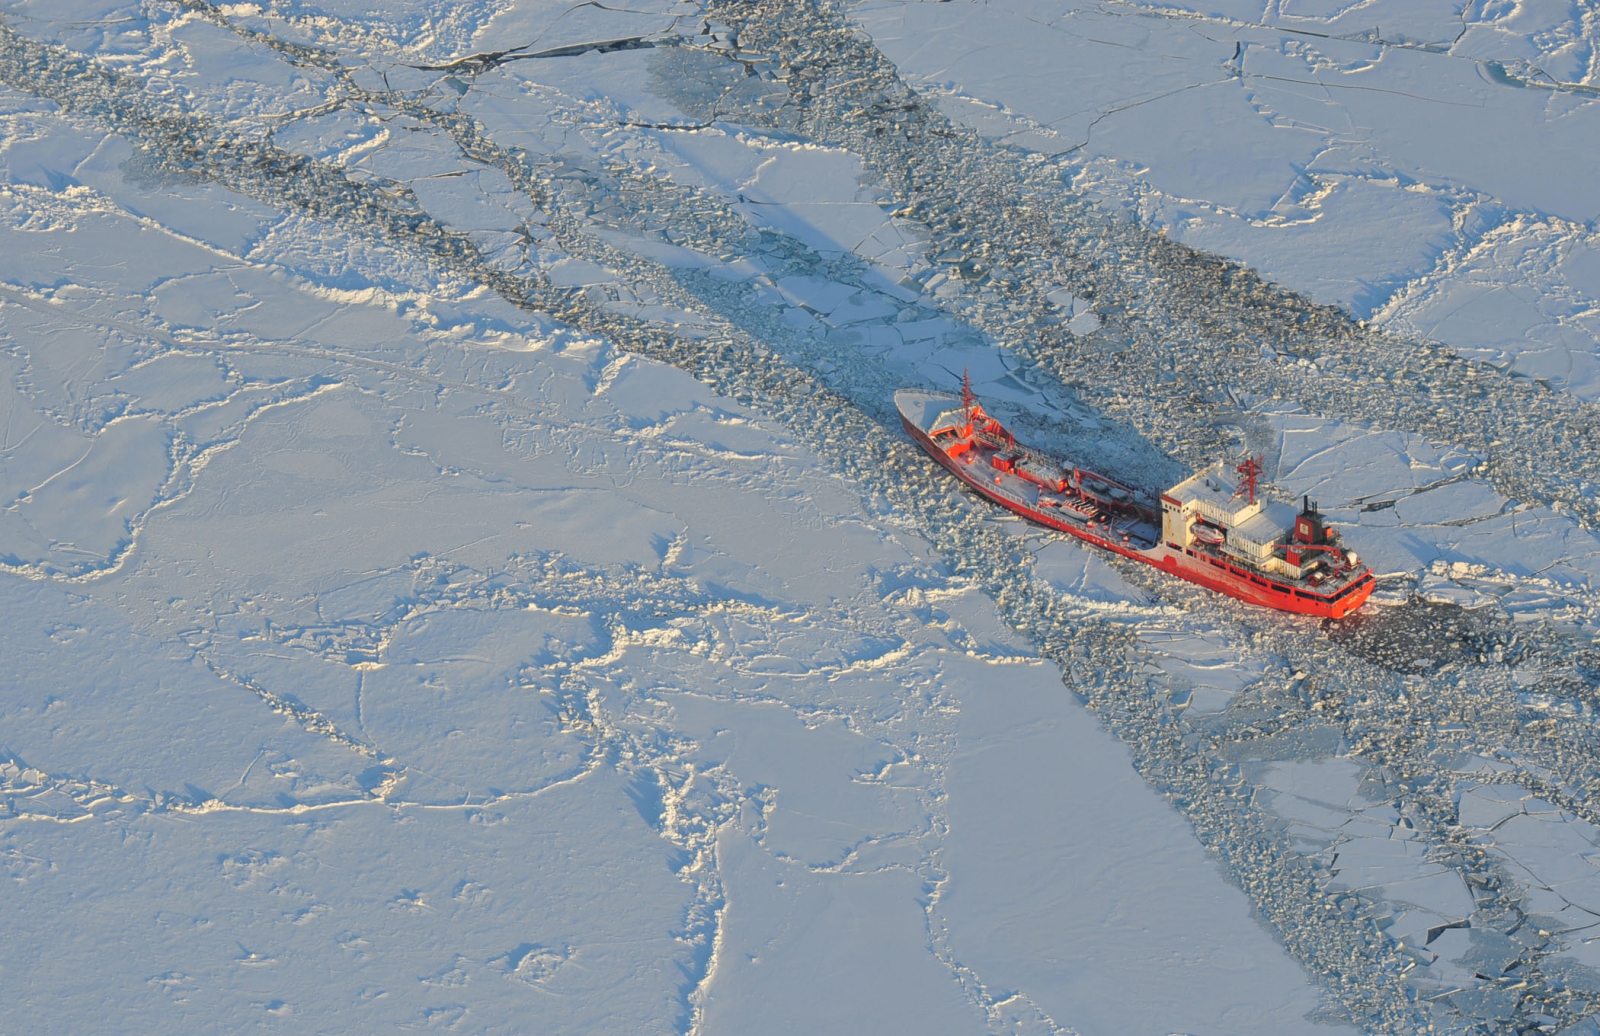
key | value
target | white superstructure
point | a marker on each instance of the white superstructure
(1255, 529)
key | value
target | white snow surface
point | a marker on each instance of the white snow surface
(460, 568)
(1427, 165)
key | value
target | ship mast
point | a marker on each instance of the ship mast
(968, 400)
(1249, 471)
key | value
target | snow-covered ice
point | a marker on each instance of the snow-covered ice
(461, 569)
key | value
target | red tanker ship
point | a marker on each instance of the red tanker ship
(1209, 529)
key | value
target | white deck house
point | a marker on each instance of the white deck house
(1252, 531)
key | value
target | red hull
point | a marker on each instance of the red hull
(1209, 571)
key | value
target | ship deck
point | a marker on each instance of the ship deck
(1104, 511)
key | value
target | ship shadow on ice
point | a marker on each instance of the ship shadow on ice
(864, 373)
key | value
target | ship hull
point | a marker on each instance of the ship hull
(1203, 569)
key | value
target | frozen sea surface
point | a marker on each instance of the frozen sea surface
(461, 568)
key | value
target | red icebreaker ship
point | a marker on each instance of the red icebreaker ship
(1209, 529)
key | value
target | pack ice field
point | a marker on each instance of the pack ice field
(465, 566)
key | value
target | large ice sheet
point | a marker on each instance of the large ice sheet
(1381, 156)
(462, 569)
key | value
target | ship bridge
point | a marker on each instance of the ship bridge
(1214, 495)
(1215, 509)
